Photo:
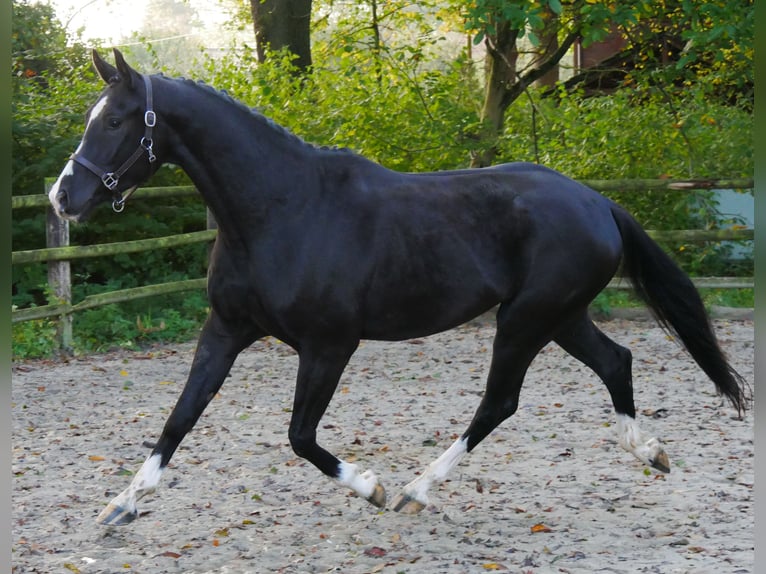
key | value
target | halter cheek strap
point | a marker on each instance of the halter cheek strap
(110, 179)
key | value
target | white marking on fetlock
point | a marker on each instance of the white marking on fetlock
(437, 471)
(633, 440)
(145, 482)
(363, 484)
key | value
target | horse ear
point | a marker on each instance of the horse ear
(107, 72)
(126, 72)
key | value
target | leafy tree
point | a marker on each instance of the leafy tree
(44, 116)
(38, 40)
(716, 35)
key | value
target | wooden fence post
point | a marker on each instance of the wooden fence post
(59, 274)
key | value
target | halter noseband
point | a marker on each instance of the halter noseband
(110, 179)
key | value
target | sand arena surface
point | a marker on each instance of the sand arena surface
(549, 491)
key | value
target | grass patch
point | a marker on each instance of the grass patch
(610, 299)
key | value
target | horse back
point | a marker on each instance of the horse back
(450, 245)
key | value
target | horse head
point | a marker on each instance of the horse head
(118, 148)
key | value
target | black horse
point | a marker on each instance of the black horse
(321, 248)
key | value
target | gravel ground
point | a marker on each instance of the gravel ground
(548, 491)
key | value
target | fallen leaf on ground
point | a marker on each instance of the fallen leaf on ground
(375, 551)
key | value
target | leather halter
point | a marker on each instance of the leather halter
(110, 179)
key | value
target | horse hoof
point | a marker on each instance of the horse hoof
(661, 462)
(116, 516)
(405, 504)
(378, 497)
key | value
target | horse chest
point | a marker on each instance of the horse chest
(251, 290)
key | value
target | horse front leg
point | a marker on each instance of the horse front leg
(319, 372)
(217, 348)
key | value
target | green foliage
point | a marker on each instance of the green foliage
(390, 108)
(631, 135)
(637, 134)
(48, 112)
(591, 19)
(170, 318)
(398, 96)
(32, 339)
(38, 41)
(607, 301)
(743, 298)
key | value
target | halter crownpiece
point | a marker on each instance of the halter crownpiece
(110, 179)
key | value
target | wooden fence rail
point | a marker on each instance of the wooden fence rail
(59, 253)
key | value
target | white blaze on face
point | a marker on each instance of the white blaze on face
(69, 167)
(68, 170)
(97, 110)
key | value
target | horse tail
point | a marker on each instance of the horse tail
(676, 304)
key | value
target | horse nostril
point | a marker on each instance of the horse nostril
(62, 197)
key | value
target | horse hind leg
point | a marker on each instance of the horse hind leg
(612, 363)
(522, 331)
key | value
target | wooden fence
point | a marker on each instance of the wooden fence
(59, 253)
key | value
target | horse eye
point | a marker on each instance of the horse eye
(114, 123)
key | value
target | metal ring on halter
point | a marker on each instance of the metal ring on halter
(119, 202)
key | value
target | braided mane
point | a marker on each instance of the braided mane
(256, 114)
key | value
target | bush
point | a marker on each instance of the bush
(398, 107)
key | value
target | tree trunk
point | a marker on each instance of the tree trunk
(504, 85)
(282, 24)
(549, 43)
(500, 73)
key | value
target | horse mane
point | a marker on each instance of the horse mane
(257, 115)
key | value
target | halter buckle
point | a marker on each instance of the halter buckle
(150, 118)
(110, 180)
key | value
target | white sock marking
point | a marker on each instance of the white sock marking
(363, 484)
(437, 471)
(633, 440)
(148, 476)
(145, 481)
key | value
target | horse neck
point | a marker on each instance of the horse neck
(248, 170)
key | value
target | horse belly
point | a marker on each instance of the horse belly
(404, 322)
(406, 307)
